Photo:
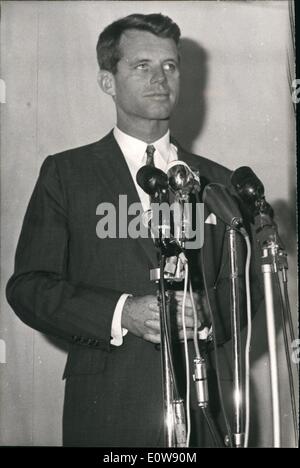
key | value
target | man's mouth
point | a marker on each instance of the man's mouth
(157, 95)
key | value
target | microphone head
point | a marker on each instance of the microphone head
(247, 185)
(181, 177)
(151, 179)
(220, 202)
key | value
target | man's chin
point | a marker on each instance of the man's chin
(159, 112)
(159, 115)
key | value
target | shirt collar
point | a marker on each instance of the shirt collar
(134, 148)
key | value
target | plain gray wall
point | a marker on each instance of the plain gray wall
(235, 108)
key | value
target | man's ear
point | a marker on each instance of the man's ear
(106, 82)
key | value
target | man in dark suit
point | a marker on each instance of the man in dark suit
(94, 292)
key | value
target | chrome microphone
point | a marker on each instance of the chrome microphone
(181, 178)
(182, 181)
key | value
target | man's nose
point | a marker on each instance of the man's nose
(158, 75)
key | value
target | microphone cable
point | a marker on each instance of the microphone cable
(214, 340)
(212, 428)
(287, 308)
(220, 391)
(186, 355)
(288, 358)
(288, 311)
(205, 410)
(195, 335)
(248, 343)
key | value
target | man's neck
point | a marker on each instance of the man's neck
(147, 131)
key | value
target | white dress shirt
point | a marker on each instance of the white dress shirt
(134, 151)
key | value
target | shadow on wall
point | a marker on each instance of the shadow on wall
(286, 221)
(189, 116)
(285, 217)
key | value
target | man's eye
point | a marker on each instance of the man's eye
(170, 66)
(142, 66)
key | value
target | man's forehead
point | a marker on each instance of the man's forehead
(136, 41)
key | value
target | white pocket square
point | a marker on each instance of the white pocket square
(211, 219)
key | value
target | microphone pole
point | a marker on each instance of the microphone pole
(238, 433)
(155, 182)
(166, 361)
(220, 201)
(184, 181)
(251, 191)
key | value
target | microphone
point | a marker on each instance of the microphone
(182, 181)
(181, 177)
(247, 183)
(152, 180)
(251, 191)
(220, 201)
(155, 183)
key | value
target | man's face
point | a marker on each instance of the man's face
(146, 84)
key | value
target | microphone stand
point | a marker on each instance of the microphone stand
(238, 434)
(155, 182)
(274, 258)
(182, 231)
(173, 408)
(166, 360)
(267, 271)
(267, 237)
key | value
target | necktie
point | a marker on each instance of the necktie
(150, 150)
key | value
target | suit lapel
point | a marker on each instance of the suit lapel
(117, 179)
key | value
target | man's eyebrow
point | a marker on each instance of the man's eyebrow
(136, 59)
(170, 59)
(141, 59)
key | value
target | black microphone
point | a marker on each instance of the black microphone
(155, 183)
(251, 191)
(247, 183)
(252, 194)
(220, 202)
(152, 180)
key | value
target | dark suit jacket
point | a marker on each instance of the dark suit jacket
(67, 282)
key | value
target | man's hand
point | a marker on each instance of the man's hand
(189, 314)
(141, 315)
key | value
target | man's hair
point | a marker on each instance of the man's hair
(108, 51)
